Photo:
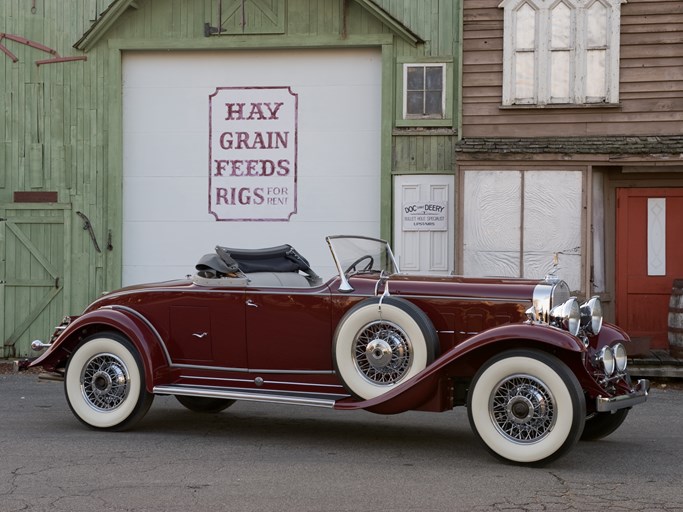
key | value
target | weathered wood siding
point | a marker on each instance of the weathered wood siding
(60, 134)
(53, 137)
(651, 78)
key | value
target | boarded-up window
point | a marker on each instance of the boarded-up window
(516, 221)
(564, 52)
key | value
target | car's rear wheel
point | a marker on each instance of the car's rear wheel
(602, 424)
(204, 404)
(382, 342)
(526, 407)
(105, 383)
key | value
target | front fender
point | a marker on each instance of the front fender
(422, 387)
(128, 322)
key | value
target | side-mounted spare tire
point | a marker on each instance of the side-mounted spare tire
(382, 342)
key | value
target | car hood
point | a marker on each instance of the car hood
(465, 287)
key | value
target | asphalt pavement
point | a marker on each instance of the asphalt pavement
(260, 457)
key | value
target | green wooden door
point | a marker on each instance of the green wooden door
(34, 246)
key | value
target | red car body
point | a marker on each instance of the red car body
(232, 338)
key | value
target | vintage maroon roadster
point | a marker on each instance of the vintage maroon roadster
(536, 369)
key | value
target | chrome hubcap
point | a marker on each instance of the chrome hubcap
(105, 382)
(382, 352)
(522, 409)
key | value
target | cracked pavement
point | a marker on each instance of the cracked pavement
(260, 457)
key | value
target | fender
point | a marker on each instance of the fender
(134, 326)
(420, 388)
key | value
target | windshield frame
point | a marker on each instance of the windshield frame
(349, 249)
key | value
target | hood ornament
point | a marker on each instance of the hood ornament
(551, 277)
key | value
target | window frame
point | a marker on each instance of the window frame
(578, 54)
(402, 118)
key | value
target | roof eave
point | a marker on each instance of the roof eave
(387, 19)
(102, 24)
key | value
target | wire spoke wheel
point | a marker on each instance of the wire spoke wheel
(382, 352)
(105, 382)
(380, 343)
(523, 409)
(526, 406)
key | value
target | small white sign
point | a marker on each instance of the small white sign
(430, 216)
(253, 153)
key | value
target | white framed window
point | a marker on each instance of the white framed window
(561, 51)
(424, 91)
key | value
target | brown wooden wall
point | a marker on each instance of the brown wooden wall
(651, 78)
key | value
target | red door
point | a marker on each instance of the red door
(649, 257)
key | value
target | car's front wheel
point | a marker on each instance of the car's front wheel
(105, 383)
(526, 407)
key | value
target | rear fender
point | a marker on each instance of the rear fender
(128, 322)
(460, 361)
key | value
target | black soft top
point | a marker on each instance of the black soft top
(282, 258)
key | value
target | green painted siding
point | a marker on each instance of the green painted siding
(61, 129)
(52, 138)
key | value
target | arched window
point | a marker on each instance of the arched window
(561, 51)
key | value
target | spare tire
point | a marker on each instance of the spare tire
(380, 343)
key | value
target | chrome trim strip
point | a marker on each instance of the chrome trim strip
(256, 370)
(293, 292)
(251, 381)
(464, 299)
(252, 396)
(615, 403)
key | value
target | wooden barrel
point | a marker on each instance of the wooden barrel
(676, 319)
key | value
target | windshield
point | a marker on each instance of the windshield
(357, 254)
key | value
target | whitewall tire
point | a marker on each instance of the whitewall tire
(380, 343)
(526, 407)
(105, 383)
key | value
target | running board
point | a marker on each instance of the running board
(275, 397)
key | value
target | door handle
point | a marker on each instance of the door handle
(200, 335)
(251, 303)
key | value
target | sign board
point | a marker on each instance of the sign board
(253, 153)
(429, 216)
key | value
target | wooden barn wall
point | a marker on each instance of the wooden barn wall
(651, 78)
(58, 133)
(53, 138)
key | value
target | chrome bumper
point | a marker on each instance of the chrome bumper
(638, 396)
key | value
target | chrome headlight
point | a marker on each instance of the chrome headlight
(591, 316)
(567, 316)
(620, 357)
(547, 296)
(606, 359)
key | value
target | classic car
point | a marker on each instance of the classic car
(536, 369)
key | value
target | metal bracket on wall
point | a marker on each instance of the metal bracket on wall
(22, 40)
(88, 226)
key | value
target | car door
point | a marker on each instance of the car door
(288, 331)
(207, 328)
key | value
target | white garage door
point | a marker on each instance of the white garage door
(176, 208)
